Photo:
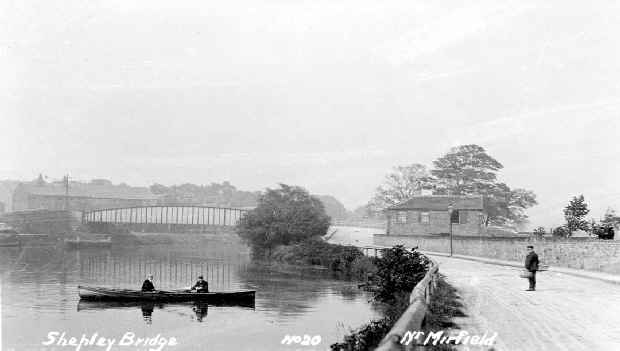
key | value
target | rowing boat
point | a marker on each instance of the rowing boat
(113, 294)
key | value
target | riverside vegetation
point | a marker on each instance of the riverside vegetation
(288, 225)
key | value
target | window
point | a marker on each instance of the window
(413, 217)
(425, 217)
(483, 219)
(454, 217)
(401, 217)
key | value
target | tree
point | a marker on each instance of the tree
(539, 232)
(283, 216)
(575, 214)
(159, 189)
(610, 218)
(400, 185)
(518, 201)
(469, 170)
(224, 194)
(466, 169)
(334, 208)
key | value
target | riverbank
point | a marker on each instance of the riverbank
(444, 306)
(416, 297)
(346, 260)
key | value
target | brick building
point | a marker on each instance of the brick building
(82, 196)
(429, 215)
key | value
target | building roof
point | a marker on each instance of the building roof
(92, 189)
(441, 203)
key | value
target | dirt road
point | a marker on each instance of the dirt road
(565, 313)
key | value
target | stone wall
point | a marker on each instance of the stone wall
(579, 253)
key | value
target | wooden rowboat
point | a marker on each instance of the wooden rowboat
(112, 294)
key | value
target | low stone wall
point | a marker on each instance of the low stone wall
(579, 253)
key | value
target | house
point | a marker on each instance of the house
(429, 215)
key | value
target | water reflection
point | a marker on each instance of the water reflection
(147, 312)
(199, 309)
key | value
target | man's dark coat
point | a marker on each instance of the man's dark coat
(148, 286)
(531, 262)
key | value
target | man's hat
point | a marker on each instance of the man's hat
(200, 277)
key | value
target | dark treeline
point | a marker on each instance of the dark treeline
(224, 194)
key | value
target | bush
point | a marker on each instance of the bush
(445, 305)
(399, 270)
(604, 232)
(561, 232)
(284, 216)
(348, 260)
(539, 232)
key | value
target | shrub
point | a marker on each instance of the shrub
(539, 232)
(399, 270)
(348, 260)
(561, 232)
(604, 232)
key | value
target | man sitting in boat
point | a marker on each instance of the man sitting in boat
(201, 285)
(148, 284)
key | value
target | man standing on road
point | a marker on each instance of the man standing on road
(531, 264)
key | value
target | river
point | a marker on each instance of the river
(40, 296)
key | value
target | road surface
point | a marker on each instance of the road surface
(565, 313)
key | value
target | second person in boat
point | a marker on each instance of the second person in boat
(201, 285)
(148, 286)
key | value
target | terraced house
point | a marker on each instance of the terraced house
(433, 215)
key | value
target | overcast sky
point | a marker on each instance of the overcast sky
(327, 94)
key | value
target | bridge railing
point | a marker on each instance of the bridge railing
(166, 214)
(413, 318)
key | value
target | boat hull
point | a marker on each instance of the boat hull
(109, 294)
(95, 305)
